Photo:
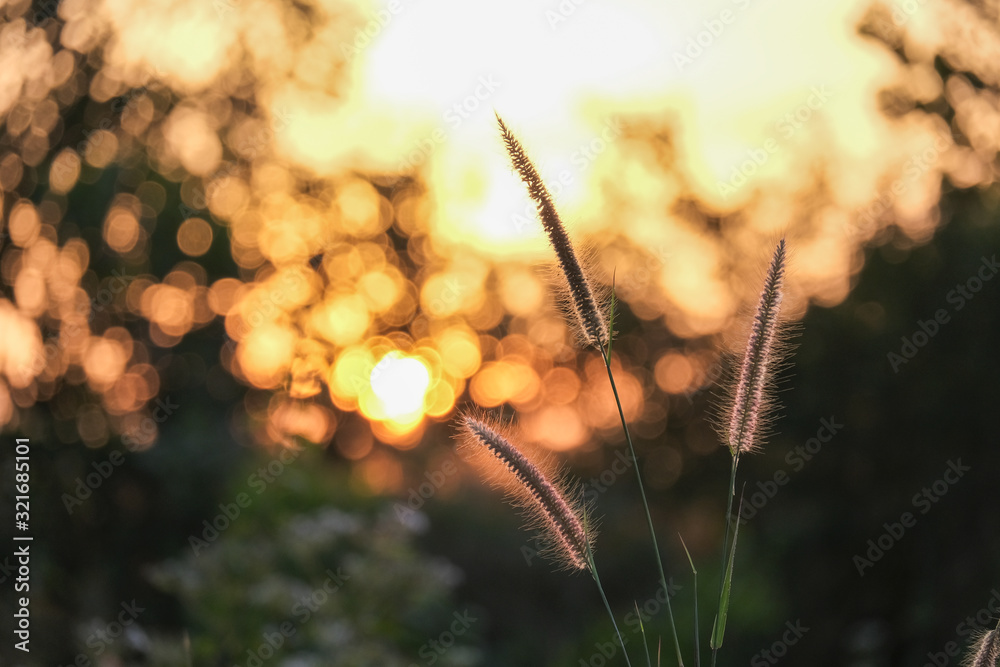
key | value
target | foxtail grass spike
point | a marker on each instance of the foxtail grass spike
(750, 400)
(540, 496)
(987, 650)
(585, 306)
(611, 315)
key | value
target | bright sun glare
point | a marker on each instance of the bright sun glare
(400, 383)
(347, 152)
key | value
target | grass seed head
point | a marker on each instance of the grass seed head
(751, 399)
(987, 650)
(544, 498)
(589, 315)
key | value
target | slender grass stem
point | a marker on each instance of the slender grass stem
(725, 545)
(607, 606)
(645, 505)
(642, 629)
(697, 638)
(729, 509)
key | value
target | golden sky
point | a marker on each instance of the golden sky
(680, 140)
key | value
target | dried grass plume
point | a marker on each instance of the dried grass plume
(751, 397)
(987, 650)
(544, 498)
(589, 315)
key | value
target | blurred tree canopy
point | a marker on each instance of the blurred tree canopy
(219, 245)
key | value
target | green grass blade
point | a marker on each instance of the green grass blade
(642, 630)
(719, 627)
(697, 639)
(725, 545)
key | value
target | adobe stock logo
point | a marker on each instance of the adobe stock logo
(958, 297)
(779, 649)
(972, 626)
(796, 459)
(434, 649)
(712, 29)
(420, 494)
(787, 126)
(918, 164)
(924, 500)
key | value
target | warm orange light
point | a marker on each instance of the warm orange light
(561, 386)
(192, 141)
(382, 241)
(674, 373)
(65, 171)
(194, 237)
(22, 356)
(121, 230)
(558, 427)
(104, 361)
(379, 290)
(266, 354)
(400, 384)
(460, 353)
(363, 212)
(30, 292)
(502, 381)
(23, 223)
(343, 320)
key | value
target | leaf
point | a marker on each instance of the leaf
(719, 626)
(697, 638)
(642, 629)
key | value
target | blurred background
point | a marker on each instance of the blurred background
(256, 255)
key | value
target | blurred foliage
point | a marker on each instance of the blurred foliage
(318, 584)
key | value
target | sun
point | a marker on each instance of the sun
(400, 385)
